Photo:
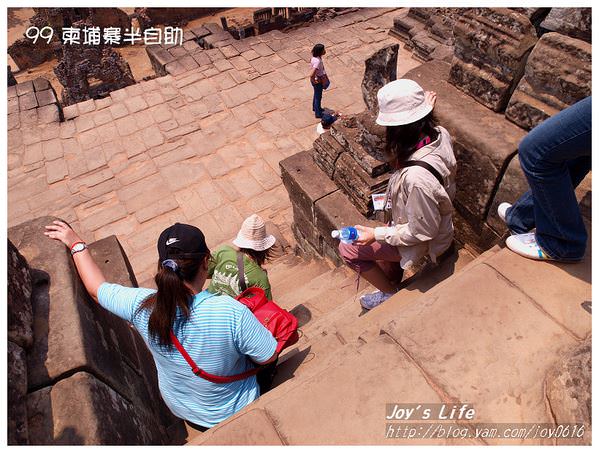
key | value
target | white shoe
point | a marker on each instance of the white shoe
(502, 210)
(526, 245)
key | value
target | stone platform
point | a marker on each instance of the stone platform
(202, 147)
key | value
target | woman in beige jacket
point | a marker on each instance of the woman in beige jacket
(419, 195)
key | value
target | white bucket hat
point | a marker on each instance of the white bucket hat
(252, 235)
(401, 102)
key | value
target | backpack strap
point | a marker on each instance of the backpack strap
(241, 272)
(426, 166)
(210, 377)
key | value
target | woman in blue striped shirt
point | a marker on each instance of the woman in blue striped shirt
(220, 334)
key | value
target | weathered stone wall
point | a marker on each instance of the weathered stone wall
(491, 48)
(568, 390)
(573, 22)
(116, 399)
(319, 206)
(20, 339)
(91, 72)
(557, 75)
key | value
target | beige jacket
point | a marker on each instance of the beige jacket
(420, 208)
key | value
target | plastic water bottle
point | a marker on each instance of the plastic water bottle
(347, 235)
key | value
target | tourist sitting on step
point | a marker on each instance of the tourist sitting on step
(555, 157)
(218, 333)
(253, 247)
(419, 194)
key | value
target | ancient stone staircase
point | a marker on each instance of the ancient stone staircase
(325, 300)
(483, 330)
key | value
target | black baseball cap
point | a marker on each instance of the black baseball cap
(182, 241)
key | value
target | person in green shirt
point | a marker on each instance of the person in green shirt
(255, 245)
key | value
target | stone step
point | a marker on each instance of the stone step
(288, 276)
(471, 338)
(348, 321)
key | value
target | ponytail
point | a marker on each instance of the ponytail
(172, 294)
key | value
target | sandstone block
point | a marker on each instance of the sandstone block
(557, 75)
(335, 211)
(574, 22)
(70, 330)
(569, 391)
(17, 430)
(305, 182)
(82, 410)
(381, 68)
(20, 315)
(491, 47)
(357, 184)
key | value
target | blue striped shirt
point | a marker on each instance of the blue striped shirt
(220, 335)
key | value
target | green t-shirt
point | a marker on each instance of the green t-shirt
(224, 273)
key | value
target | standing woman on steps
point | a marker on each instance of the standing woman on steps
(419, 194)
(220, 334)
(318, 78)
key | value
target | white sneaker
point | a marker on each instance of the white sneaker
(502, 210)
(526, 245)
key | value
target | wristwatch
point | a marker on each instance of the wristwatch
(78, 247)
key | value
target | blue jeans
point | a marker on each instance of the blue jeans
(555, 157)
(317, 99)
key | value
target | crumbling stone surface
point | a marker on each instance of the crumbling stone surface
(150, 17)
(82, 410)
(574, 22)
(364, 140)
(491, 47)
(28, 55)
(20, 315)
(357, 184)
(17, 395)
(380, 69)
(428, 32)
(568, 390)
(557, 75)
(81, 65)
(72, 332)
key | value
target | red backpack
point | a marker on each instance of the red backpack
(279, 322)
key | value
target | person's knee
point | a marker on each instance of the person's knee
(346, 252)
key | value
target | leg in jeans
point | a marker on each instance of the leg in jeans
(554, 156)
(520, 218)
(378, 263)
(317, 99)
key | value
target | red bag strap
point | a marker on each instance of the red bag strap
(210, 377)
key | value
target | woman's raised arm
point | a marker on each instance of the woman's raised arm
(88, 270)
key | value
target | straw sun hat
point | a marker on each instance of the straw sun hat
(401, 102)
(252, 235)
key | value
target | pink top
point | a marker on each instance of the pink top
(317, 64)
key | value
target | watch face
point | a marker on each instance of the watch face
(78, 247)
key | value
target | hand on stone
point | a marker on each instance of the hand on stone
(365, 235)
(62, 232)
(430, 97)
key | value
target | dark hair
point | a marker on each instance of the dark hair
(402, 140)
(172, 293)
(318, 50)
(259, 257)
